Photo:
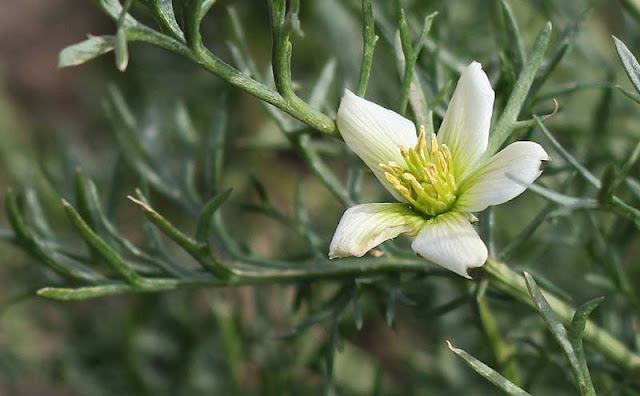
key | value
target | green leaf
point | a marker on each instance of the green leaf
(578, 324)
(369, 40)
(85, 51)
(488, 373)
(203, 230)
(334, 306)
(505, 124)
(631, 95)
(516, 48)
(559, 333)
(198, 251)
(584, 172)
(121, 50)
(562, 199)
(113, 9)
(107, 252)
(39, 249)
(567, 38)
(193, 11)
(609, 183)
(82, 293)
(163, 11)
(629, 62)
(125, 127)
(323, 84)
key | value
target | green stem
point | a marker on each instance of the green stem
(502, 351)
(514, 284)
(202, 56)
(498, 274)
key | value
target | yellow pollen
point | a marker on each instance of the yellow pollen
(426, 178)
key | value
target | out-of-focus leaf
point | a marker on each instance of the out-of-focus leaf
(629, 62)
(576, 330)
(488, 373)
(85, 51)
(631, 95)
(584, 172)
(163, 11)
(560, 334)
(203, 229)
(121, 50)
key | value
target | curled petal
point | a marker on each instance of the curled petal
(365, 226)
(465, 127)
(451, 241)
(374, 134)
(502, 178)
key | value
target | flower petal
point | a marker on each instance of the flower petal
(374, 133)
(365, 226)
(465, 127)
(451, 241)
(502, 178)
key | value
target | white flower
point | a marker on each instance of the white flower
(438, 184)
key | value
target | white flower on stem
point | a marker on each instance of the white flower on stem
(438, 180)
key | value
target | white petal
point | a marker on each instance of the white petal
(451, 241)
(365, 226)
(374, 133)
(465, 127)
(502, 178)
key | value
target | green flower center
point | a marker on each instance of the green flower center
(427, 182)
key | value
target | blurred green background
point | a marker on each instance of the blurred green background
(226, 341)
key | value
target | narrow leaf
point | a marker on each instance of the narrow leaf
(631, 95)
(121, 50)
(108, 253)
(369, 40)
(584, 172)
(578, 323)
(323, 84)
(203, 230)
(85, 51)
(34, 247)
(557, 329)
(504, 125)
(488, 373)
(197, 250)
(163, 11)
(629, 62)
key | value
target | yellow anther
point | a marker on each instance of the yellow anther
(405, 193)
(386, 168)
(445, 151)
(393, 180)
(397, 168)
(434, 146)
(425, 177)
(432, 173)
(422, 141)
(442, 162)
(414, 182)
(403, 151)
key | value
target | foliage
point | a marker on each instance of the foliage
(224, 194)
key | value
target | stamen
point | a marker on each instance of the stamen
(394, 165)
(434, 146)
(414, 182)
(393, 180)
(422, 141)
(425, 177)
(442, 162)
(403, 151)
